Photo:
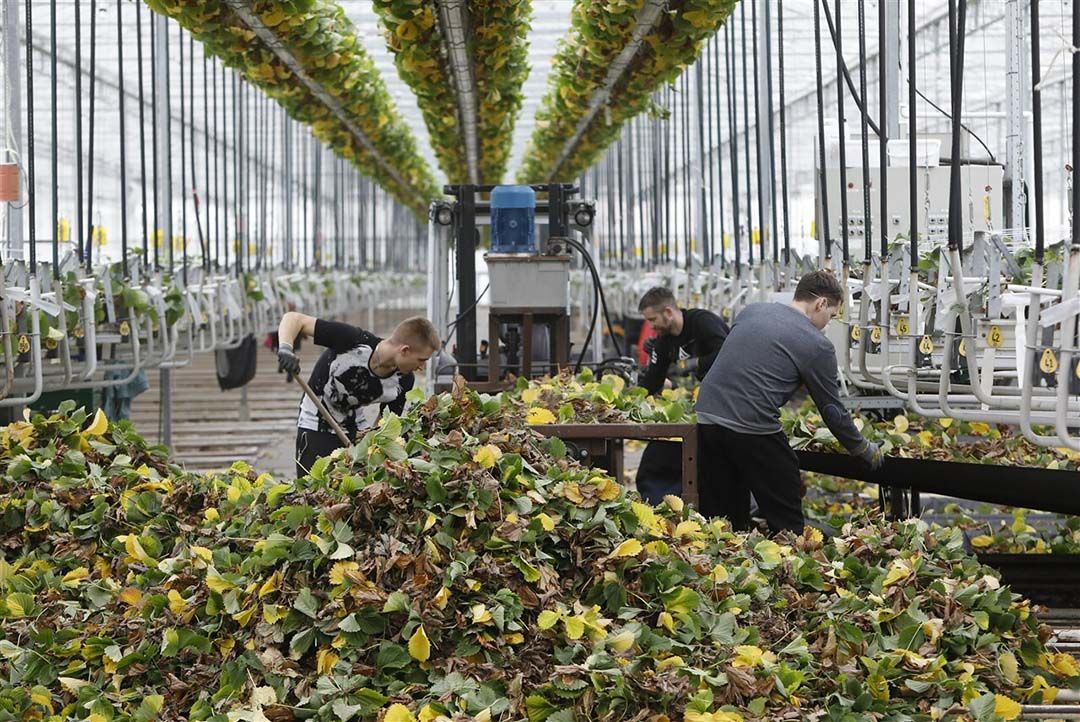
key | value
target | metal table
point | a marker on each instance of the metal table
(602, 445)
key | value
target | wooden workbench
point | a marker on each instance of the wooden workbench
(602, 443)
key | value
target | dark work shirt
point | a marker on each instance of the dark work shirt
(343, 380)
(703, 334)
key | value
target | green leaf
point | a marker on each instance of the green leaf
(306, 603)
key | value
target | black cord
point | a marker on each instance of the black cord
(1036, 132)
(746, 147)
(183, 160)
(823, 232)
(596, 279)
(864, 137)
(963, 127)
(592, 326)
(452, 326)
(845, 74)
(123, 139)
(783, 130)
(78, 135)
(838, 44)
(154, 153)
(54, 149)
(733, 124)
(142, 133)
(32, 200)
(89, 255)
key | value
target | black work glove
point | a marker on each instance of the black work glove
(649, 345)
(872, 454)
(287, 362)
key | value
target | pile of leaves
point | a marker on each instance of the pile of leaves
(584, 399)
(599, 32)
(324, 42)
(913, 437)
(454, 565)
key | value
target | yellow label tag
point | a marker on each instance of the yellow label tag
(24, 343)
(63, 230)
(125, 328)
(994, 337)
(726, 313)
(50, 344)
(962, 347)
(79, 333)
(840, 313)
(1048, 363)
(159, 239)
(903, 326)
(755, 237)
(856, 333)
(926, 345)
(875, 334)
(100, 236)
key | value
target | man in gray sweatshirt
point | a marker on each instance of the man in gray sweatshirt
(772, 350)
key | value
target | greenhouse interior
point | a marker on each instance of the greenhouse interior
(539, 360)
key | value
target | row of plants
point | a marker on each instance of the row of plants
(585, 399)
(324, 43)
(498, 48)
(598, 33)
(455, 565)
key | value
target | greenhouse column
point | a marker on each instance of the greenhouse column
(13, 122)
(164, 193)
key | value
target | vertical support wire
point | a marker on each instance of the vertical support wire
(823, 231)
(733, 123)
(123, 138)
(783, 131)
(774, 235)
(710, 68)
(746, 147)
(142, 136)
(1036, 132)
(844, 230)
(79, 217)
(762, 226)
(864, 137)
(883, 129)
(54, 143)
(719, 147)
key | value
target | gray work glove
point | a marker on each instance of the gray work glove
(872, 454)
(287, 362)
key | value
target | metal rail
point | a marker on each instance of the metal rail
(454, 21)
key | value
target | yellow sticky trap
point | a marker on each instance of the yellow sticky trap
(994, 337)
(159, 239)
(903, 326)
(926, 345)
(755, 237)
(63, 230)
(99, 235)
(1048, 363)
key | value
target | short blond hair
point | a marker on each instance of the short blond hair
(416, 332)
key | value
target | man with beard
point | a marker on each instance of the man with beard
(356, 377)
(693, 336)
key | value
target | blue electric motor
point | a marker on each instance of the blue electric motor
(513, 219)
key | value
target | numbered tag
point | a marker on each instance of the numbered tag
(50, 344)
(961, 348)
(875, 334)
(125, 328)
(856, 334)
(24, 343)
(925, 349)
(1048, 362)
(926, 345)
(726, 313)
(79, 333)
(903, 326)
(994, 337)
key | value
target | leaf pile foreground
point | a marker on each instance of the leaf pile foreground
(456, 566)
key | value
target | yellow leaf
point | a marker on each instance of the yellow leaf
(573, 492)
(667, 621)
(398, 713)
(487, 455)
(945, 423)
(530, 395)
(898, 572)
(539, 415)
(99, 426)
(97, 717)
(203, 553)
(325, 661)
(41, 696)
(546, 522)
(575, 627)
(339, 571)
(428, 713)
(481, 614)
(242, 618)
(430, 521)
(900, 423)
(72, 578)
(1006, 708)
(748, 656)
(131, 596)
(925, 437)
(608, 489)
(136, 551)
(980, 429)
(419, 646)
(982, 541)
(440, 600)
(177, 603)
(689, 529)
(211, 514)
(674, 503)
(719, 574)
(272, 613)
(272, 584)
(629, 548)
(217, 583)
(622, 641)
(671, 662)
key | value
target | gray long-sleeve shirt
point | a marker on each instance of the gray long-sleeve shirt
(771, 351)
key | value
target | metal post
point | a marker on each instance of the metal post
(164, 194)
(466, 277)
(1015, 93)
(13, 123)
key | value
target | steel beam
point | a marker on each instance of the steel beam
(454, 22)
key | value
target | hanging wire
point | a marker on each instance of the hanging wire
(864, 136)
(183, 161)
(762, 227)
(55, 144)
(217, 170)
(733, 122)
(957, 21)
(154, 139)
(88, 256)
(746, 147)
(773, 234)
(823, 231)
(123, 138)
(1036, 132)
(1075, 230)
(710, 68)
(719, 148)
(883, 141)
(845, 231)
(687, 195)
(194, 167)
(913, 192)
(206, 158)
(30, 183)
(79, 219)
(783, 130)
(142, 134)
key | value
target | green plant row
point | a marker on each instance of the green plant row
(324, 43)
(599, 32)
(498, 47)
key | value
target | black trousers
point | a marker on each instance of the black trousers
(734, 465)
(312, 446)
(660, 471)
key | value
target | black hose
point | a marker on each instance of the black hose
(957, 17)
(142, 135)
(733, 126)
(746, 148)
(79, 219)
(864, 136)
(823, 232)
(30, 184)
(844, 230)
(55, 144)
(719, 153)
(1075, 128)
(772, 139)
(183, 162)
(913, 203)
(883, 154)
(592, 326)
(596, 279)
(757, 125)
(783, 131)
(844, 74)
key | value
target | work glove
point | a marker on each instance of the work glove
(872, 454)
(649, 345)
(287, 362)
